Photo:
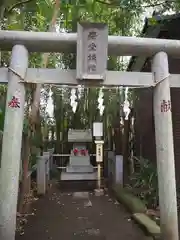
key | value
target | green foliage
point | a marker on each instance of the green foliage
(33, 160)
(144, 182)
(36, 140)
(152, 21)
(2, 105)
(134, 204)
(26, 126)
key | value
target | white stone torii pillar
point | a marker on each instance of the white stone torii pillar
(165, 148)
(11, 147)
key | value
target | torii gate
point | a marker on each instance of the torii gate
(18, 75)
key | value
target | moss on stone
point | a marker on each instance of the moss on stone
(151, 227)
(134, 204)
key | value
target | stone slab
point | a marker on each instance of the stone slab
(79, 160)
(81, 195)
(79, 169)
(99, 192)
(78, 176)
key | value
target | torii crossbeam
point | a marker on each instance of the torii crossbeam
(66, 43)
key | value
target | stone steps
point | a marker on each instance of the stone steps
(79, 169)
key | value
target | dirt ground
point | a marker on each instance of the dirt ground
(76, 216)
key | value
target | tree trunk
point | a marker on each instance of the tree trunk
(23, 188)
(118, 136)
(126, 151)
(127, 165)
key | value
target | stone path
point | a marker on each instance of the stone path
(79, 216)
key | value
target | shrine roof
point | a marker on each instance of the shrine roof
(165, 26)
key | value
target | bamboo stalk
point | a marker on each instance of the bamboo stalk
(45, 56)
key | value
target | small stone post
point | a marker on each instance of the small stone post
(41, 175)
(47, 163)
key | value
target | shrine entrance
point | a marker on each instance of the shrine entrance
(93, 46)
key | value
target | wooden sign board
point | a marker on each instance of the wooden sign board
(99, 152)
(97, 129)
(92, 46)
